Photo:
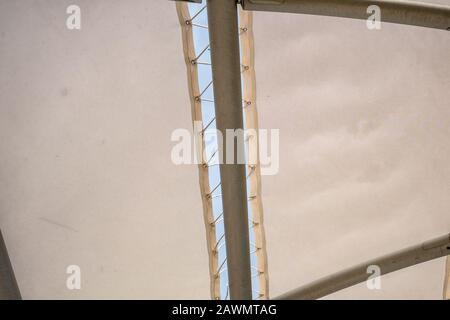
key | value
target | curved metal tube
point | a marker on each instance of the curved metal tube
(395, 11)
(426, 251)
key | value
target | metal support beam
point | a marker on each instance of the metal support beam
(8, 285)
(395, 11)
(446, 294)
(426, 251)
(225, 59)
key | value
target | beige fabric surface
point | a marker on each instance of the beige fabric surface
(251, 122)
(196, 106)
(364, 125)
(86, 176)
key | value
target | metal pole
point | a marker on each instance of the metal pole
(446, 295)
(225, 59)
(395, 11)
(426, 251)
(8, 285)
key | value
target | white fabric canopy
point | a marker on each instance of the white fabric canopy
(86, 176)
(364, 124)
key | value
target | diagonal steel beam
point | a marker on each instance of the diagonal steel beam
(8, 285)
(395, 11)
(226, 70)
(426, 251)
